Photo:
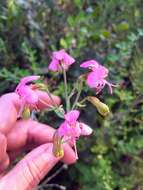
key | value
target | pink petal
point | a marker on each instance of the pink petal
(90, 64)
(76, 130)
(54, 65)
(85, 129)
(102, 71)
(64, 129)
(31, 97)
(61, 57)
(68, 59)
(70, 131)
(27, 79)
(28, 94)
(72, 116)
(92, 80)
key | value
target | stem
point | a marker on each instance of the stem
(63, 167)
(84, 100)
(50, 106)
(73, 90)
(52, 100)
(78, 95)
(56, 185)
(66, 90)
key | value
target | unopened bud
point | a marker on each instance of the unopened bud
(102, 108)
(26, 112)
(57, 146)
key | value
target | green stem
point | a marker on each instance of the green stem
(52, 108)
(82, 101)
(73, 90)
(78, 94)
(52, 100)
(66, 90)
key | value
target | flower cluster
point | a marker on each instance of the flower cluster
(71, 128)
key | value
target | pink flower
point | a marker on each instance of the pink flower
(96, 78)
(71, 129)
(26, 93)
(60, 59)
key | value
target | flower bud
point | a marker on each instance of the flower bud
(102, 108)
(57, 146)
(26, 113)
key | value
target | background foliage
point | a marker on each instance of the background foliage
(109, 31)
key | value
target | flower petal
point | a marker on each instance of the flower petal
(61, 57)
(92, 80)
(27, 79)
(68, 59)
(85, 129)
(54, 65)
(101, 71)
(64, 129)
(90, 64)
(72, 116)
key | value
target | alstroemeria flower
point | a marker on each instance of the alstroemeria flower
(60, 59)
(71, 129)
(96, 78)
(26, 93)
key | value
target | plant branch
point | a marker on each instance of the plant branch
(78, 94)
(52, 100)
(45, 183)
(56, 185)
(66, 90)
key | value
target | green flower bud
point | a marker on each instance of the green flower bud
(102, 108)
(57, 146)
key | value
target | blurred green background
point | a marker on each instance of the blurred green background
(110, 31)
